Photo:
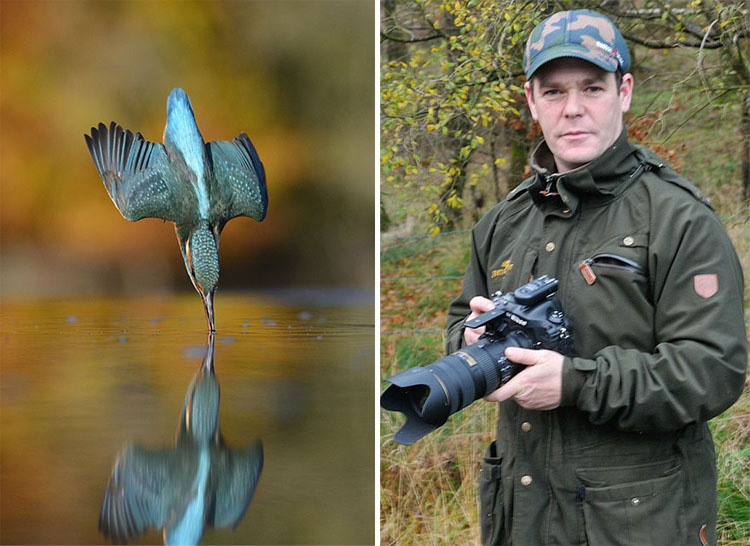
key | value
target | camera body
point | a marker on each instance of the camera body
(530, 317)
(526, 312)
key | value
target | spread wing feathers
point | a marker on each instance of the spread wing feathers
(136, 498)
(137, 174)
(239, 187)
(236, 484)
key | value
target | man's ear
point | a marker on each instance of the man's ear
(626, 92)
(530, 100)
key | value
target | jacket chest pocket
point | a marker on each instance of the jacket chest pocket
(609, 260)
(612, 279)
(621, 256)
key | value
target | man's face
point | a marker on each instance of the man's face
(579, 109)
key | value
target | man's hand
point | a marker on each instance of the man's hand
(539, 387)
(478, 305)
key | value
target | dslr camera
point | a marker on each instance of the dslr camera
(529, 317)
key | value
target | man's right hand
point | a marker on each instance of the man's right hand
(478, 305)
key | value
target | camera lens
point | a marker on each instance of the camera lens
(528, 317)
(429, 395)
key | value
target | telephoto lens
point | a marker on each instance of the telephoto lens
(528, 317)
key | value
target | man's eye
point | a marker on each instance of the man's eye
(550, 92)
(594, 89)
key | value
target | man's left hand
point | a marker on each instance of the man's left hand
(537, 388)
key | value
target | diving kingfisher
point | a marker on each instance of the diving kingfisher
(196, 185)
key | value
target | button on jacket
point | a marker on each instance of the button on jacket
(654, 291)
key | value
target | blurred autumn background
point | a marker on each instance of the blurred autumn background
(297, 77)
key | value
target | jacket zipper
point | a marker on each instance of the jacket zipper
(611, 261)
(551, 188)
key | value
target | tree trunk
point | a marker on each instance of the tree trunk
(477, 200)
(518, 143)
(394, 51)
(500, 191)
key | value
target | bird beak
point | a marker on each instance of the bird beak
(208, 358)
(217, 234)
(208, 304)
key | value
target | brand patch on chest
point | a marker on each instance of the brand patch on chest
(505, 267)
(706, 285)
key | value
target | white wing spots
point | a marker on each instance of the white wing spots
(239, 183)
(151, 196)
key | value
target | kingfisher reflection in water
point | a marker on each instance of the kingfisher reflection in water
(181, 490)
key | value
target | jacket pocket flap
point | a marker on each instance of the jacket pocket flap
(620, 483)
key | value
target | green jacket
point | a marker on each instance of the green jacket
(660, 349)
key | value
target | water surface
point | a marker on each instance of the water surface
(80, 379)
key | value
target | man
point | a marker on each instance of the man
(610, 446)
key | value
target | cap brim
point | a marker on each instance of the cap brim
(569, 50)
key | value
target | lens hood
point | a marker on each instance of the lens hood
(420, 395)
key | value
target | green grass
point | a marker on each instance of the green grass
(428, 489)
(732, 436)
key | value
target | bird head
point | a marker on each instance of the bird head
(203, 255)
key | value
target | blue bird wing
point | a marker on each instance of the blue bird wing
(239, 181)
(138, 175)
(238, 476)
(145, 490)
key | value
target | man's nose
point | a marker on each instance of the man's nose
(573, 105)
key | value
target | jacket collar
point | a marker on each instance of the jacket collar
(604, 177)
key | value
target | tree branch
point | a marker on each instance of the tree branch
(385, 36)
(654, 44)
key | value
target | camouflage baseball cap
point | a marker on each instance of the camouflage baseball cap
(582, 33)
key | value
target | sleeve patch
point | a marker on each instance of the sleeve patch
(706, 285)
